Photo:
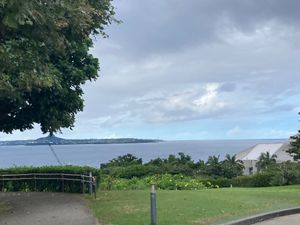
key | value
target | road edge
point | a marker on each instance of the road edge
(264, 216)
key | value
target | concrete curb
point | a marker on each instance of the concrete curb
(265, 216)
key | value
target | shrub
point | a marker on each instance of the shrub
(220, 182)
(129, 172)
(262, 179)
(243, 181)
(125, 160)
(256, 180)
(46, 185)
(164, 182)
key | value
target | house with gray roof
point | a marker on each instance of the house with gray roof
(251, 155)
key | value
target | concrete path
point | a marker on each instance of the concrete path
(45, 209)
(283, 220)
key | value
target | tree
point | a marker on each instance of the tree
(294, 150)
(213, 166)
(181, 164)
(232, 167)
(266, 161)
(44, 60)
(200, 167)
(122, 161)
(185, 159)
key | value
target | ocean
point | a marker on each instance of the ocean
(94, 155)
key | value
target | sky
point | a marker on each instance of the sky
(197, 69)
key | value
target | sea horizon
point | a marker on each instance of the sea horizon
(95, 154)
(143, 138)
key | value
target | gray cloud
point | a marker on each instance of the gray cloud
(228, 87)
(157, 27)
(164, 49)
(157, 66)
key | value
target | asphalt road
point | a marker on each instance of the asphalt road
(283, 220)
(45, 209)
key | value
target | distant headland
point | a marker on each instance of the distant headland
(53, 140)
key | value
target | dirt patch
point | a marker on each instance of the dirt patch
(44, 209)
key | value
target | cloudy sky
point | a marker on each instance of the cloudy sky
(196, 69)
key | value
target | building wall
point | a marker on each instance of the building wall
(250, 167)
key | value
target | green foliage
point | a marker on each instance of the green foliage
(256, 180)
(287, 173)
(262, 179)
(129, 166)
(217, 182)
(125, 160)
(46, 185)
(213, 166)
(183, 164)
(266, 161)
(175, 182)
(128, 172)
(51, 169)
(163, 181)
(45, 59)
(231, 167)
(294, 150)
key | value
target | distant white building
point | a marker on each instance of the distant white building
(251, 155)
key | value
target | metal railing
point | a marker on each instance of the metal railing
(86, 182)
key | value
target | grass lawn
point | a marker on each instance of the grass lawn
(210, 206)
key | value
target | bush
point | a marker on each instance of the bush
(262, 179)
(256, 180)
(125, 160)
(242, 181)
(164, 182)
(46, 185)
(220, 182)
(130, 172)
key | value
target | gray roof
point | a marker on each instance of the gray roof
(254, 152)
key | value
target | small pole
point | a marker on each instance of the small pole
(95, 188)
(82, 177)
(2, 183)
(109, 183)
(62, 183)
(35, 183)
(91, 183)
(153, 205)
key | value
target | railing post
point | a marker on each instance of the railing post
(95, 188)
(34, 183)
(2, 183)
(62, 183)
(32, 180)
(153, 205)
(82, 181)
(91, 183)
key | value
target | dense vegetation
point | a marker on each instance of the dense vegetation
(46, 185)
(181, 172)
(294, 151)
(45, 60)
(129, 166)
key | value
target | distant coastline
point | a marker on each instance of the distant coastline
(53, 140)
